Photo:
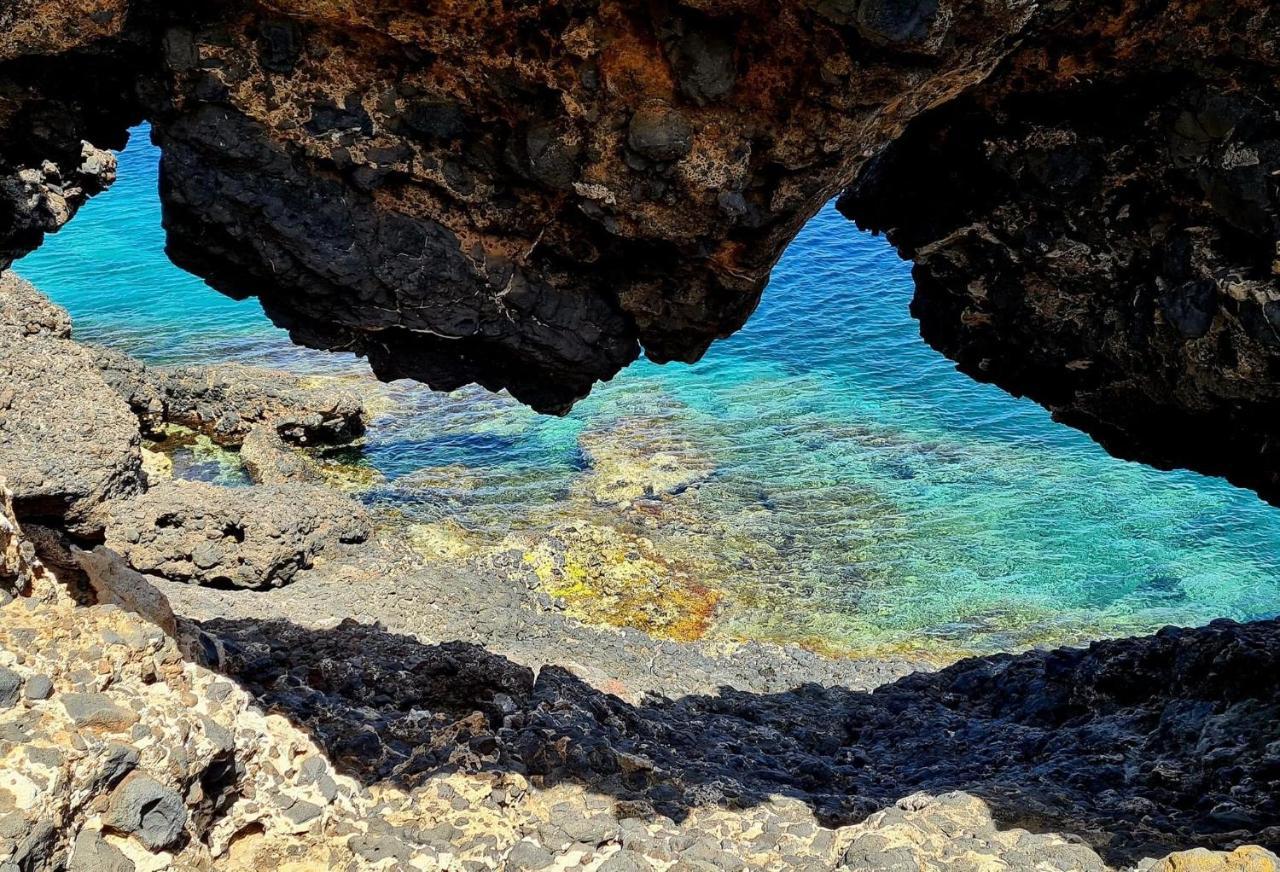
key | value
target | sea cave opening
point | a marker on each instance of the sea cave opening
(821, 478)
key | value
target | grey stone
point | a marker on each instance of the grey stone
(97, 710)
(92, 853)
(10, 687)
(626, 861)
(526, 855)
(898, 859)
(36, 850)
(12, 825)
(302, 812)
(588, 829)
(327, 786)
(218, 734)
(375, 848)
(149, 811)
(115, 763)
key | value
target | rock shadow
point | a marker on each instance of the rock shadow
(1140, 746)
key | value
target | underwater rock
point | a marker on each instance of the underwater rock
(607, 574)
(640, 458)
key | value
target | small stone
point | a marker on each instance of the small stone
(38, 687)
(97, 710)
(660, 133)
(528, 855)
(116, 762)
(12, 825)
(375, 849)
(302, 812)
(148, 810)
(92, 853)
(220, 690)
(10, 687)
(626, 861)
(593, 830)
(896, 21)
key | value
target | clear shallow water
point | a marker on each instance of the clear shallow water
(862, 495)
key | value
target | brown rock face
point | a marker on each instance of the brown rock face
(527, 195)
(525, 198)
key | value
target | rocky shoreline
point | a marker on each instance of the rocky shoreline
(205, 677)
(527, 197)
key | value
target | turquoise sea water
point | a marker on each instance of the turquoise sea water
(864, 495)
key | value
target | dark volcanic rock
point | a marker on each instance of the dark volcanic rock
(1138, 745)
(1051, 260)
(527, 198)
(147, 810)
(228, 402)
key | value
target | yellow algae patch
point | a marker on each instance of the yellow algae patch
(610, 576)
(375, 396)
(202, 448)
(156, 465)
(345, 476)
(443, 540)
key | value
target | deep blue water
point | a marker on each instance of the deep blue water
(864, 495)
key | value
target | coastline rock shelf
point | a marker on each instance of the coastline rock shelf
(528, 195)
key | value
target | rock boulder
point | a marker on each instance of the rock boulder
(232, 537)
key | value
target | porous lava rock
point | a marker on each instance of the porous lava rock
(68, 443)
(231, 537)
(527, 197)
(228, 401)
